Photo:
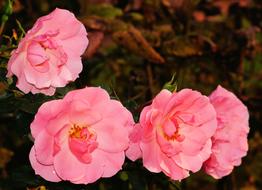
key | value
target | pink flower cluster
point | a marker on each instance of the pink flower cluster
(86, 135)
(184, 131)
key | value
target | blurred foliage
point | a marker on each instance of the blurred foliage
(135, 48)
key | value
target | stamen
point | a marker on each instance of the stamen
(76, 131)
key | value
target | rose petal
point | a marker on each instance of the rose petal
(44, 148)
(67, 166)
(150, 155)
(47, 172)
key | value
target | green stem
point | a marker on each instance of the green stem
(20, 27)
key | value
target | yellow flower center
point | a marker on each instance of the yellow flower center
(80, 132)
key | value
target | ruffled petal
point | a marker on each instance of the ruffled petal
(44, 148)
(67, 166)
(47, 172)
(150, 155)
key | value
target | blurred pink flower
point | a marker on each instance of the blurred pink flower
(174, 133)
(81, 137)
(49, 55)
(229, 144)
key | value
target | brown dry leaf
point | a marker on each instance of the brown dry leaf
(94, 23)
(100, 24)
(182, 47)
(133, 40)
(95, 40)
(199, 16)
(180, 5)
(153, 37)
(244, 3)
(100, 1)
(251, 34)
(116, 25)
(173, 3)
(224, 5)
(5, 156)
(134, 5)
(180, 8)
(249, 187)
(17, 6)
(164, 29)
(3, 87)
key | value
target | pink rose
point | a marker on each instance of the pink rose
(81, 137)
(49, 54)
(229, 143)
(174, 135)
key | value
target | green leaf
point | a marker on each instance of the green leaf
(171, 85)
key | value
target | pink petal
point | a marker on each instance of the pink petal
(77, 32)
(134, 151)
(16, 63)
(47, 91)
(56, 20)
(93, 95)
(36, 78)
(47, 172)
(15, 66)
(143, 115)
(44, 148)
(108, 130)
(36, 55)
(170, 148)
(115, 110)
(177, 101)
(70, 72)
(65, 76)
(61, 123)
(47, 111)
(23, 85)
(171, 169)
(194, 141)
(112, 162)
(81, 37)
(85, 117)
(194, 163)
(169, 128)
(67, 166)
(230, 139)
(148, 129)
(150, 154)
(94, 170)
(162, 99)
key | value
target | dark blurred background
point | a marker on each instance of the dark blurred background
(136, 46)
